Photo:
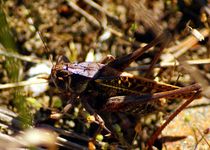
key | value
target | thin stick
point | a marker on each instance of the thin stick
(97, 24)
(13, 141)
(185, 45)
(24, 58)
(8, 120)
(70, 145)
(89, 17)
(202, 138)
(22, 83)
(99, 8)
(187, 42)
(170, 64)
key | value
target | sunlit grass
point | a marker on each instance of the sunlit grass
(13, 68)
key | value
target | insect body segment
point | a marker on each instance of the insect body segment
(142, 94)
(134, 84)
(144, 102)
(73, 77)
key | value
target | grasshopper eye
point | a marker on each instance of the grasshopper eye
(61, 77)
(63, 83)
(62, 73)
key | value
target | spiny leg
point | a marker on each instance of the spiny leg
(124, 103)
(128, 103)
(123, 62)
(65, 110)
(170, 118)
(98, 118)
(107, 59)
(164, 43)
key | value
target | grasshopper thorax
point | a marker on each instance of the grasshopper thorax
(73, 77)
(60, 77)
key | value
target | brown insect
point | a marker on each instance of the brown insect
(105, 87)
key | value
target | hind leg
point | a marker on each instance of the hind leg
(107, 59)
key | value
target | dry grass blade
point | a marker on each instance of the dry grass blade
(178, 50)
(100, 8)
(197, 76)
(24, 58)
(31, 137)
(70, 145)
(44, 135)
(171, 64)
(185, 45)
(89, 17)
(22, 83)
(202, 138)
(97, 24)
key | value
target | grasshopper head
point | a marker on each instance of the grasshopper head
(68, 77)
(60, 76)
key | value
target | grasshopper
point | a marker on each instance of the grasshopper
(105, 87)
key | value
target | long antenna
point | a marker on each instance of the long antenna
(30, 21)
(45, 45)
(43, 41)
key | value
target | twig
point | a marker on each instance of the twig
(70, 145)
(196, 76)
(186, 44)
(96, 23)
(7, 112)
(12, 141)
(98, 7)
(9, 121)
(9, 118)
(24, 58)
(22, 83)
(170, 64)
(89, 17)
(68, 133)
(202, 138)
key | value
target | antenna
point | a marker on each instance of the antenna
(45, 45)
(30, 21)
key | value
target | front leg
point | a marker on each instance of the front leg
(66, 109)
(97, 117)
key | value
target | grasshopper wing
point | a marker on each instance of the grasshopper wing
(138, 103)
